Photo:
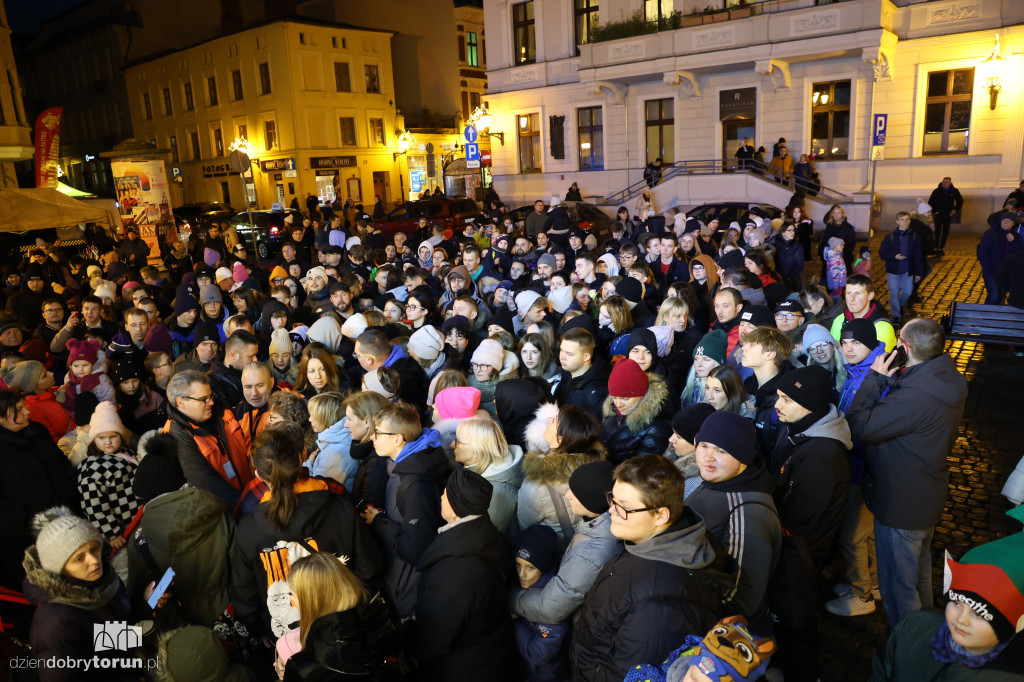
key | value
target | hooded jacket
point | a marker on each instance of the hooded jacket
(542, 471)
(909, 434)
(332, 459)
(644, 431)
(591, 548)
(416, 479)
(516, 401)
(325, 519)
(462, 629)
(505, 478)
(740, 512)
(812, 480)
(646, 600)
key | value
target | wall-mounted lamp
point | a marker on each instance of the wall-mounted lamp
(405, 141)
(481, 118)
(993, 67)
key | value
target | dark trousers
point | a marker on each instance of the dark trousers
(941, 229)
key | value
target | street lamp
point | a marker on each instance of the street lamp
(405, 141)
(481, 118)
(993, 66)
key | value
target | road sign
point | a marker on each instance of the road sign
(472, 155)
(175, 171)
(470, 133)
(877, 152)
(238, 162)
(881, 121)
(485, 157)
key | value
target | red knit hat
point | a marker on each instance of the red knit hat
(627, 380)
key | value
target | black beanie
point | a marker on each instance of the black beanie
(469, 493)
(687, 421)
(584, 321)
(630, 289)
(206, 331)
(862, 330)
(591, 483)
(809, 387)
(757, 315)
(503, 318)
(731, 432)
(159, 471)
(538, 545)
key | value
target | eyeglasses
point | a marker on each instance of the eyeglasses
(199, 399)
(382, 433)
(361, 355)
(788, 317)
(410, 306)
(819, 347)
(621, 511)
(478, 366)
(53, 310)
(904, 342)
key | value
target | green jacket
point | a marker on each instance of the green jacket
(907, 656)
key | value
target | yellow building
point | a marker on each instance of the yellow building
(15, 130)
(315, 100)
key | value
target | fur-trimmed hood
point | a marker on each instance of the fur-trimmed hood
(647, 410)
(555, 469)
(44, 587)
(534, 432)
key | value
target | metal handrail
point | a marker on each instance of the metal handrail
(715, 166)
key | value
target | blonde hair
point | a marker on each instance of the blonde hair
(374, 318)
(327, 408)
(618, 311)
(321, 585)
(485, 439)
(399, 418)
(365, 404)
(671, 306)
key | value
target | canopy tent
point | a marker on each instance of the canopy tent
(22, 210)
(70, 191)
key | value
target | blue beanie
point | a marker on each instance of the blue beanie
(539, 545)
(731, 432)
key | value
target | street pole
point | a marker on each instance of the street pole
(871, 222)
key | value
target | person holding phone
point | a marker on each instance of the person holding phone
(70, 579)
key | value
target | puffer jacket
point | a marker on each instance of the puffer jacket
(591, 548)
(646, 600)
(544, 475)
(645, 430)
(506, 478)
(332, 459)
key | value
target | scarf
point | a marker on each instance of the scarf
(945, 650)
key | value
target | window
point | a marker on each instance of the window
(270, 134)
(242, 131)
(264, 78)
(660, 130)
(236, 84)
(147, 106)
(342, 78)
(523, 36)
(372, 77)
(334, 41)
(589, 131)
(377, 132)
(472, 50)
(302, 38)
(655, 10)
(474, 101)
(194, 138)
(528, 127)
(218, 142)
(348, 131)
(830, 120)
(172, 142)
(211, 90)
(190, 103)
(947, 113)
(585, 20)
(168, 109)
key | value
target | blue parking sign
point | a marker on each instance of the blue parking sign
(472, 152)
(881, 121)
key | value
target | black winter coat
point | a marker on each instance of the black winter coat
(371, 480)
(645, 430)
(35, 476)
(590, 389)
(844, 231)
(942, 203)
(325, 520)
(647, 600)
(463, 630)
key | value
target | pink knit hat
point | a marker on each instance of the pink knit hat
(238, 272)
(457, 402)
(82, 350)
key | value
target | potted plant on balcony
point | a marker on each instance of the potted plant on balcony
(741, 10)
(721, 14)
(695, 19)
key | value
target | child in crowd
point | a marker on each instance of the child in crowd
(862, 266)
(105, 475)
(542, 647)
(835, 267)
(84, 375)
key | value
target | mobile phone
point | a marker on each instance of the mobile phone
(160, 588)
(901, 358)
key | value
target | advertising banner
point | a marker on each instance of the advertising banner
(143, 198)
(48, 146)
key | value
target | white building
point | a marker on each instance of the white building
(572, 109)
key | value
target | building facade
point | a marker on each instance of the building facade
(315, 100)
(595, 106)
(15, 128)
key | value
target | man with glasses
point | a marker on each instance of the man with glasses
(658, 589)
(909, 418)
(790, 319)
(735, 501)
(212, 448)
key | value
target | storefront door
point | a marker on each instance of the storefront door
(733, 133)
(381, 187)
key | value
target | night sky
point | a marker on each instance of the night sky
(26, 16)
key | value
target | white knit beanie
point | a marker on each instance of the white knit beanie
(489, 353)
(354, 326)
(561, 299)
(426, 343)
(373, 384)
(105, 420)
(815, 334)
(280, 342)
(525, 300)
(59, 534)
(923, 208)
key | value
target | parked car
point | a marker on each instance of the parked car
(264, 235)
(599, 222)
(452, 213)
(729, 211)
(199, 216)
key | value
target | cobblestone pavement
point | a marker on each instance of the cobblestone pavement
(986, 451)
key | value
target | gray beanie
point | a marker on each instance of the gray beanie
(59, 534)
(209, 293)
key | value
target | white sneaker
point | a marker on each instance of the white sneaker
(850, 605)
(844, 588)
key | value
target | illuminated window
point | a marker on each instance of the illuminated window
(472, 50)
(372, 74)
(660, 126)
(591, 138)
(528, 127)
(270, 134)
(348, 131)
(830, 120)
(947, 113)
(585, 20)
(523, 33)
(377, 132)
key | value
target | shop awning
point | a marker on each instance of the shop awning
(22, 210)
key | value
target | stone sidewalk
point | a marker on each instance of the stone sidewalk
(986, 451)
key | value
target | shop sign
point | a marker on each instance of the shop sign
(215, 170)
(741, 103)
(278, 164)
(332, 162)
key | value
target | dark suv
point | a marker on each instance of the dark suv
(195, 219)
(264, 236)
(451, 213)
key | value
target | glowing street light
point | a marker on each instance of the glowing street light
(481, 118)
(405, 142)
(242, 145)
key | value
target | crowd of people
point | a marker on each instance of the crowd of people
(512, 452)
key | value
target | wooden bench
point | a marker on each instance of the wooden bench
(984, 323)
